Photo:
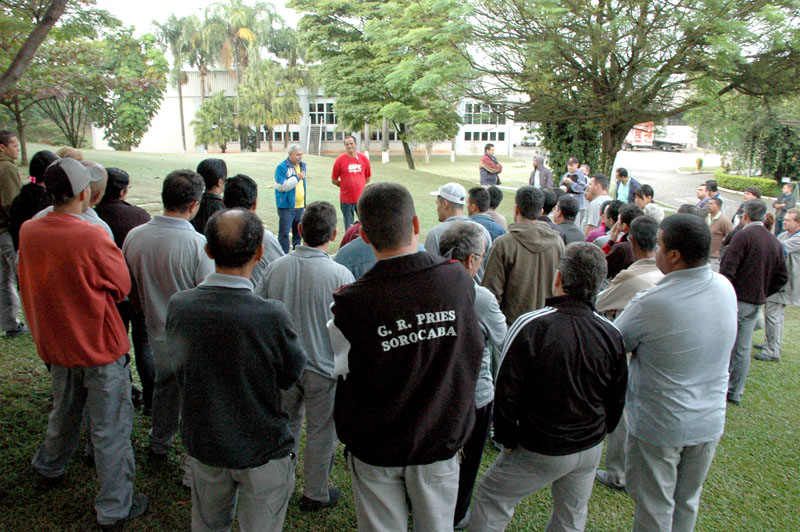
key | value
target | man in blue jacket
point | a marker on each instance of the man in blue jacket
(290, 196)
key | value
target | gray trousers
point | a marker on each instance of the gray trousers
(740, 354)
(313, 394)
(166, 402)
(262, 494)
(382, 495)
(520, 473)
(615, 453)
(665, 483)
(773, 329)
(9, 299)
(105, 393)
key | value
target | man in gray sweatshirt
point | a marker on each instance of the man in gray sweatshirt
(304, 280)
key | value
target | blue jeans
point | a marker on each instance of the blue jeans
(289, 219)
(348, 210)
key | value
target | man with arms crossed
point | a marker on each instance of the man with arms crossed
(290, 196)
(405, 403)
(351, 173)
(233, 354)
(675, 404)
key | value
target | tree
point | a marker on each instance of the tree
(388, 59)
(202, 49)
(214, 121)
(612, 64)
(256, 97)
(171, 35)
(293, 77)
(127, 113)
(36, 37)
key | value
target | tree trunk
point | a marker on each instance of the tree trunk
(385, 141)
(286, 137)
(269, 138)
(409, 156)
(365, 142)
(612, 142)
(180, 107)
(21, 132)
(31, 44)
(428, 150)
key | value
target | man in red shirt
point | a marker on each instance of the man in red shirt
(351, 173)
(71, 275)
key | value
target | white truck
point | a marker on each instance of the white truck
(666, 137)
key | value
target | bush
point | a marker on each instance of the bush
(768, 187)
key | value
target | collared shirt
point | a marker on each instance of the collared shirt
(224, 280)
(622, 191)
(710, 220)
(90, 215)
(678, 375)
(432, 240)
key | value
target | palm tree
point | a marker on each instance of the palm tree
(202, 48)
(214, 121)
(257, 96)
(171, 35)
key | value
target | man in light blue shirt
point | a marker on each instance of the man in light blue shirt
(678, 377)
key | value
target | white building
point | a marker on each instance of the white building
(317, 131)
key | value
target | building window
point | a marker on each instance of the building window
(278, 136)
(321, 113)
(493, 136)
(467, 135)
(476, 113)
(484, 135)
(340, 135)
(501, 136)
(295, 136)
(328, 136)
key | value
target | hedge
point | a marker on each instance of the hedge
(768, 187)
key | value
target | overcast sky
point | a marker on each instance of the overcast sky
(140, 13)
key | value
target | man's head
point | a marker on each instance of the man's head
(478, 200)
(572, 164)
(644, 236)
(118, 182)
(643, 195)
(787, 188)
(235, 238)
(181, 192)
(67, 180)
(528, 204)
(295, 152)
(711, 184)
(489, 149)
(689, 209)
(495, 196)
(388, 219)
(581, 271)
(754, 211)
(318, 225)
(550, 200)
(566, 209)
(612, 212)
(463, 241)
(9, 145)
(99, 182)
(792, 221)
(450, 200)
(536, 161)
(751, 193)
(350, 145)
(627, 214)
(622, 175)
(240, 191)
(684, 241)
(214, 172)
(702, 191)
(598, 185)
(69, 151)
(39, 163)
(714, 205)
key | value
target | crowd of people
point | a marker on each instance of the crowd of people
(584, 320)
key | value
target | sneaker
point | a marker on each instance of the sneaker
(138, 508)
(47, 483)
(19, 330)
(604, 478)
(733, 401)
(136, 397)
(156, 457)
(766, 358)
(310, 505)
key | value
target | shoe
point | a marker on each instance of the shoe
(19, 330)
(47, 483)
(156, 457)
(136, 397)
(138, 508)
(736, 402)
(462, 525)
(766, 358)
(310, 505)
(604, 478)
(758, 346)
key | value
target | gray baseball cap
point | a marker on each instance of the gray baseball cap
(66, 178)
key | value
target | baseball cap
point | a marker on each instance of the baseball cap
(573, 160)
(66, 178)
(452, 192)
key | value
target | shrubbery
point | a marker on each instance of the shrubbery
(768, 187)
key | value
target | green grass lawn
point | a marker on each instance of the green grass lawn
(752, 486)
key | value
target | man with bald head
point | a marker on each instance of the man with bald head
(233, 353)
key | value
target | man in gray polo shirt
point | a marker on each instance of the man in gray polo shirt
(166, 256)
(304, 280)
(678, 377)
(450, 201)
